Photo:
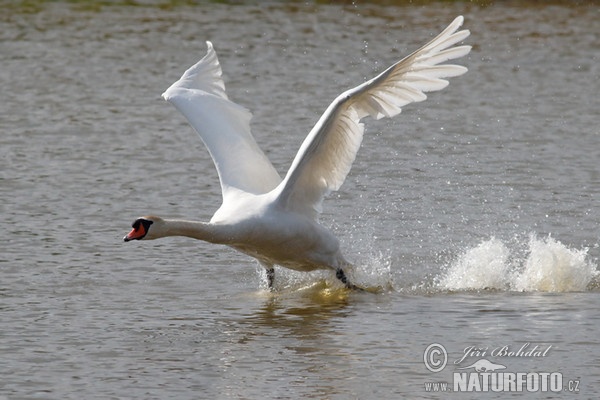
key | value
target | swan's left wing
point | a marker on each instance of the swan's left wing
(327, 153)
(224, 127)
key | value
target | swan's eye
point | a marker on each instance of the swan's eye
(141, 222)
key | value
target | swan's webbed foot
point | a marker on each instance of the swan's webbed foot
(339, 273)
(270, 270)
(270, 277)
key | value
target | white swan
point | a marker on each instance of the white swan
(275, 220)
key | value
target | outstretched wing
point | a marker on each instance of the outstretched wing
(224, 128)
(327, 153)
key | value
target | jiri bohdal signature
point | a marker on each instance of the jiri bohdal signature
(524, 350)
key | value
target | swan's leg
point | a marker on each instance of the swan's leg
(270, 277)
(270, 273)
(339, 273)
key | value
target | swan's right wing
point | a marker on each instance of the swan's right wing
(224, 128)
(327, 153)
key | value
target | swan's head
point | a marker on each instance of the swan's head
(144, 228)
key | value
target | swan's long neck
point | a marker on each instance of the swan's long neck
(212, 233)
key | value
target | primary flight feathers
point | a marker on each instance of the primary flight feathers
(326, 155)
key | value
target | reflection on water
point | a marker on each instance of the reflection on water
(310, 321)
(306, 317)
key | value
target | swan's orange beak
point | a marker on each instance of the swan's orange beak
(139, 231)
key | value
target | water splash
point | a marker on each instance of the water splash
(485, 266)
(533, 265)
(373, 273)
(547, 266)
(553, 267)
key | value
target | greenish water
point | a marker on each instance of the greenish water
(476, 208)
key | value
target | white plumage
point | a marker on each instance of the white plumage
(275, 220)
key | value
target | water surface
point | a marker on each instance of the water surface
(475, 210)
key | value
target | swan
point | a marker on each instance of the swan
(272, 219)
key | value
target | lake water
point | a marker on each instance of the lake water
(477, 210)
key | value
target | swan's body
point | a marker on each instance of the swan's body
(275, 220)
